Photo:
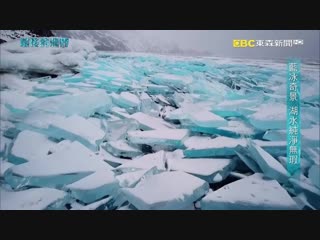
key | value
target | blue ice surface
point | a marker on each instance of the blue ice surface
(248, 98)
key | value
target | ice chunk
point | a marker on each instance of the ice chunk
(250, 193)
(314, 175)
(32, 199)
(311, 192)
(247, 159)
(84, 104)
(130, 179)
(93, 187)
(116, 130)
(77, 128)
(148, 122)
(208, 147)
(147, 161)
(71, 163)
(208, 119)
(4, 166)
(110, 159)
(99, 205)
(158, 89)
(166, 191)
(270, 116)
(234, 108)
(270, 166)
(30, 146)
(171, 80)
(5, 144)
(120, 112)
(275, 148)
(204, 168)
(15, 101)
(74, 127)
(167, 137)
(121, 148)
(126, 100)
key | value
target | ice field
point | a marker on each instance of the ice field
(88, 130)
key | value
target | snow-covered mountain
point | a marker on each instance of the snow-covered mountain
(8, 35)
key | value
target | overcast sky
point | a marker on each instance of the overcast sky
(219, 42)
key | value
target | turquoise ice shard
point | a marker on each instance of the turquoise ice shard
(93, 187)
(147, 161)
(110, 159)
(171, 80)
(275, 148)
(121, 148)
(84, 131)
(257, 193)
(234, 108)
(314, 175)
(199, 147)
(269, 116)
(4, 166)
(116, 130)
(5, 144)
(98, 205)
(148, 122)
(71, 128)
(84, 104)
(270, 166)
(69, 163)
(15, 101)
(130, 179)
(164, 137)
(30, 146)
(236, 128)
(158, 89)
(126, 100)
(311, 192)
(245, 156)
(120, 112)
(32, 199)
(166, 191)
(205, 168)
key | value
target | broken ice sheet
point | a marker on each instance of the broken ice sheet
(33, 199)
(164, 137)
(130, 179)
(250, 193)
(15, 101)
(311, 192)
(207, 169)
(147, 161)
(270, 166)
(198, 147)
(126, 100)
(110, 159)
(57, 126)
(5, 144)
(117, 130)
(121, 148)
(71, 162)
(148, 122)
(84, 104)
(171, 80)
(93, 187)
(166, 191)
(30, 146)
(314, 175)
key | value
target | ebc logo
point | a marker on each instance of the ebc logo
(242, 43)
